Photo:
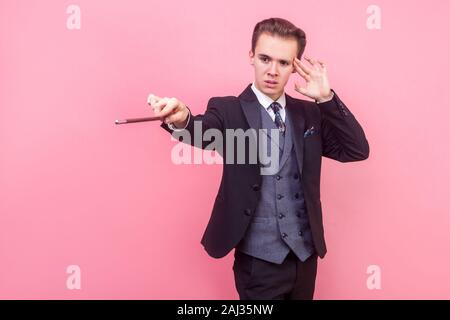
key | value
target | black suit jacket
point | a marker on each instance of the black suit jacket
(337, 135)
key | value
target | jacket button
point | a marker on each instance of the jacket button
(296, 176)
(247, 212)
(300, 233)
(278, 177)
(281, 216)
(284, 235)
(255, 187)
(279, 196)
(297, 196)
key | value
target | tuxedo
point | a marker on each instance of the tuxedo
(326, 129)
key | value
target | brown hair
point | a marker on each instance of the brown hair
(282, 28)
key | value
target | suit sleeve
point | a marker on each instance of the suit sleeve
(197, 125)
(343, 138)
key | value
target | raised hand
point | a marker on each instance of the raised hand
(315, 74)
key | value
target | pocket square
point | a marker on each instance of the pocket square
(309, 132)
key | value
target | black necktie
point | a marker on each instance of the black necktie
(278, 120)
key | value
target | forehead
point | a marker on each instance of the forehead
(277, 47)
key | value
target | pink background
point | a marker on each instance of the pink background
(78, 190)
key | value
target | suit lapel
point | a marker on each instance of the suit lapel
(295, 113)
(250, 106)
(287, 143)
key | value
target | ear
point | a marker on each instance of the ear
(252, 57)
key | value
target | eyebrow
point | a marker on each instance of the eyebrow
(261, 55)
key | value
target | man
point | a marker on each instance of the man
(274, 221)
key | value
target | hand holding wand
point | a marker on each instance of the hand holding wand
(169, 110)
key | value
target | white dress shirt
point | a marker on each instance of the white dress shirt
(266, 101)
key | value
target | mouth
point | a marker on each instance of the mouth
(270, 83)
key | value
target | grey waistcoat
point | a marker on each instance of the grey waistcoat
(280, 223)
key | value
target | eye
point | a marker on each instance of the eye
(264, 59)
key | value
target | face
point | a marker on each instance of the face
(273, 62)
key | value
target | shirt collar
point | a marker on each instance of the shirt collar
(265, 100)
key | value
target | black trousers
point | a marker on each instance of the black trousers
(258, 279)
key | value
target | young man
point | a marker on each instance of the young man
(274, 221)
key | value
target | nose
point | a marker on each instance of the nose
(273, 69)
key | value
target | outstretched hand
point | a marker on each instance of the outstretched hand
(170, 110)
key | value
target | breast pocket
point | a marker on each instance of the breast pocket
(313, 143)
